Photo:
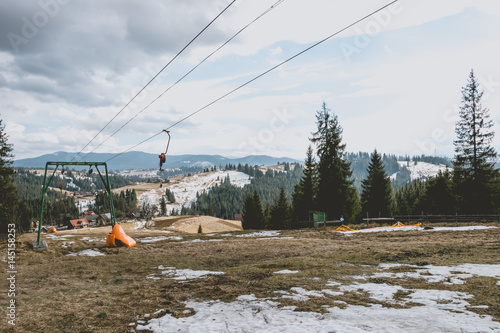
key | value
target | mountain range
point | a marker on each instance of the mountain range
(136, 160)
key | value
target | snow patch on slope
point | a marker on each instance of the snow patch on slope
(185, 190)
(422, 170)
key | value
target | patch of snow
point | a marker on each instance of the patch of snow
(139, 225)
(286, 271)
(66, 244)
(158, 238)
(88, 252)
(184, 274)
(266, 233)
(58, 237)
(467, 228)
(380, 292)
(442, 274)
(420, 228)
(203, 241)
(250, 314)
(91, 240)
(442, 310)
(423, 170)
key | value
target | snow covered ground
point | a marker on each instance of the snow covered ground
(419, 310)
(419, 228)
(422, 170)
(88, 252)
(185, 191)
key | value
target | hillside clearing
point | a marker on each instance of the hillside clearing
(300, 280)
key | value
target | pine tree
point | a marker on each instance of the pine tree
(438, 197)
(376, 197)
(336, 194)
(259, 211)
(8, 193)
(253, 214)
(163, 206)
(304, 195)
(280, 213)
(475, 178)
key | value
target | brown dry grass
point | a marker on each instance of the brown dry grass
(57, 293)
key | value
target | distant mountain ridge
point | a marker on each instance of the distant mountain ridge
(135, 160)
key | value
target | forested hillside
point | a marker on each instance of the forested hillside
(225, 200)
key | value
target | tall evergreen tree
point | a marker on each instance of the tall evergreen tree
(336, 194)
(280, 213)
(163, 206)
(376, 197)
(253, 214)
(438, 197)
(8, 193)
(475, 178)
(259, 211)
(304, 195)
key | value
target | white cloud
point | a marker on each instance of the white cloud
(392, 93)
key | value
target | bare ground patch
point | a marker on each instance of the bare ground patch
(57, 293)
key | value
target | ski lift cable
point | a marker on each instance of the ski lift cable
(189, 72)
(154, 77)
(258, 76)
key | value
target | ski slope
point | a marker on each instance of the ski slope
(186, 188)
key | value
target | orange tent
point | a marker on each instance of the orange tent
(118, 237)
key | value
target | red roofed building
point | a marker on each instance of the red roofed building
(77, 224)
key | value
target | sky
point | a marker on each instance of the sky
(394, 80)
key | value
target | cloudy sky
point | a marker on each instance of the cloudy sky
(67, 67)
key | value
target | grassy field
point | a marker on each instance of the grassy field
(60, 293)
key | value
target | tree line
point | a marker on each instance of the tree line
(327, 182)
(327, 185)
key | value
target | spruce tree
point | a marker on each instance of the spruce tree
(259, 211)
(376, 196)
(8, 193)
(304, 194)
(253, 214)
(163, 207)
(438, 197)
(475, 178)
(280, 213)
(336, 194)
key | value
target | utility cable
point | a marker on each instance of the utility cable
(258, 76)
(189, 72)
(154, 77)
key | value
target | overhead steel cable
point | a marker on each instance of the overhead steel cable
(154, 77)
(189, 72)
(258, 76)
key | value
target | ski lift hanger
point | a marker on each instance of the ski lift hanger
(163, 156)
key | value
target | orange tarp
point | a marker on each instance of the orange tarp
(396, 225)
(344, 228)
(119, 237)
(399, 224)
